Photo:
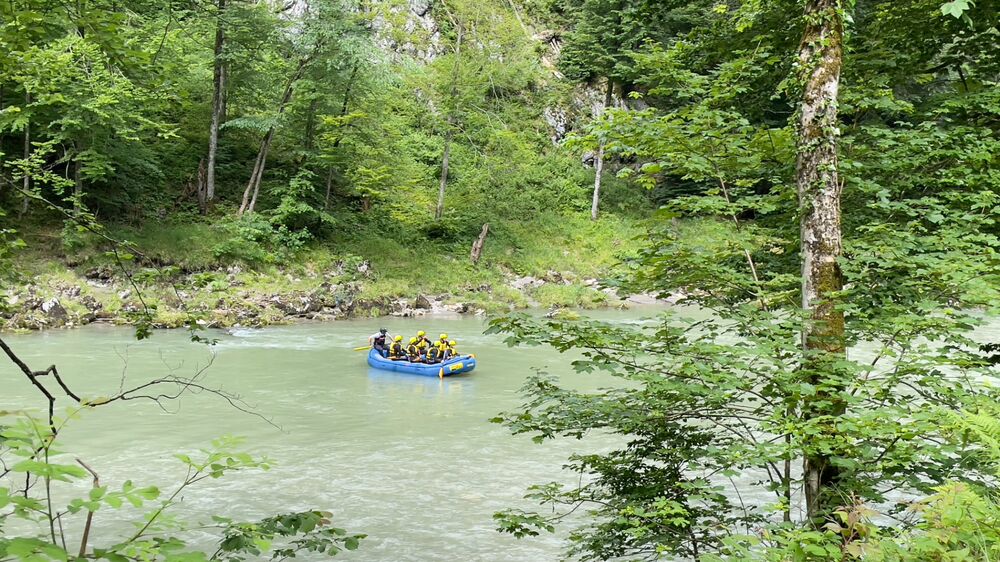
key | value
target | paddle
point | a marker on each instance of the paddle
(362, 348)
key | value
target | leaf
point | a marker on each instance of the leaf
(956, 8)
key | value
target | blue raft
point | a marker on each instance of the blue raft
(460, 364)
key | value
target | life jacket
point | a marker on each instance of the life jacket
(441, 345)
(422, 343)
(432, 354)
(412, 350)
(396, 349)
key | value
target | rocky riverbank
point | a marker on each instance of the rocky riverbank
(233, 298)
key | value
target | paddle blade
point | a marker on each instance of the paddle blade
(362, 348)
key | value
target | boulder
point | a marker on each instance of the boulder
(54, 310)
(526, 282)
(91, 303)
(71, 292)
(422, 302)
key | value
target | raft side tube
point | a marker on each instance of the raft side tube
(455, 366)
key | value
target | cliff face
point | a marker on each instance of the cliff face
(408, 30)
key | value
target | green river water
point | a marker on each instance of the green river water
(412, 461)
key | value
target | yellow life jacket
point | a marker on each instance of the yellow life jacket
(396, 349)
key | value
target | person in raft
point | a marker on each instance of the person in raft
(433, 355)
(413, 352)
(442, 345)
(380, 341)
(423, 343)
(451, 351)
(396, 350)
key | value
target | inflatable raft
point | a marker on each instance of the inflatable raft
(460, 364)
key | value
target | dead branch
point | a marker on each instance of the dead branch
(166, 388)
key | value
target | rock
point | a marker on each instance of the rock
(309, 304)
(558, 120)
(124, 295)
(102, 273)
(422, 302)
(420, 7)
(91, 303)
(642, 299)
(71, 292)
(526, 282)
(54, 310)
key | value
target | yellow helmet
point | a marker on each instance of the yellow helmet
(452, 343)
(444, 336)
(421, 334)
(398, 338)
(413, 340)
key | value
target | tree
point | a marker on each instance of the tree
(218, 102)
(450, 120)
(823, 338)
(725, 404)
(598, 47)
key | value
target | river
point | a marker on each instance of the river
(412, 461)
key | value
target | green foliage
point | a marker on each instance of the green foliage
(256, 240)
(713, 411)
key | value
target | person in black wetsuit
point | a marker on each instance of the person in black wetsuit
(380, 341)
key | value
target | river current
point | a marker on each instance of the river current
(412, 461)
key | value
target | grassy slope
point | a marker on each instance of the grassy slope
(571, 245)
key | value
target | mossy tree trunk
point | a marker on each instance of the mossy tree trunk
(820, 60)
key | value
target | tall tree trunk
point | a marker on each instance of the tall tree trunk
(446, 154)
(77, 183)
(253, 186)
(599, 163)
(329, 187)
(201, 186)
(218, 105)
(27, 154)
(820, 60)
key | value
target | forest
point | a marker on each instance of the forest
(807, 190)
